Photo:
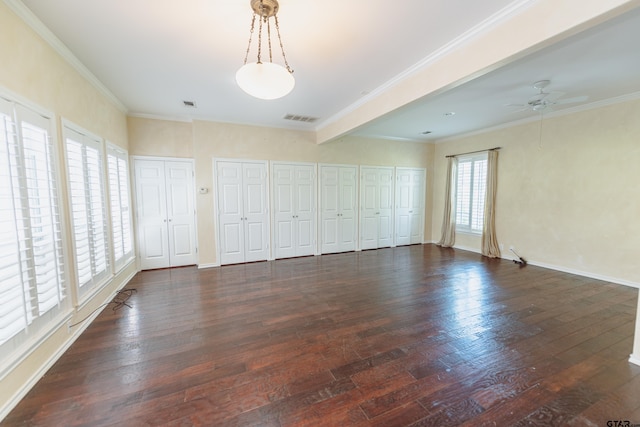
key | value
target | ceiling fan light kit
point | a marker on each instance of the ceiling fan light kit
(265, 80)
(544, 100)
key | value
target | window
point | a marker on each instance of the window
(32, 285)
(88, 208)
(118, 167)
(471, 184)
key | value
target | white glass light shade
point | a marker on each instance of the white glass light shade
(265, 80)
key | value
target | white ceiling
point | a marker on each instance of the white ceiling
(155, 54)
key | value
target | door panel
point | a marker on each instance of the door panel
(294, 209)
(230, 217)
(409, 206)
(152, 214)
(338, 213)
(180, 213)
(243, 212)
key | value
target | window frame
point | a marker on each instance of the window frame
(25, 197)
(475, 213)
(97, 232)
(121, 222)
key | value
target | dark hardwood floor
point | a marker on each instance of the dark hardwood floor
(418, 335)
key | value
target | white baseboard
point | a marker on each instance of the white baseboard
(212, 265)
(635, 359)
(42, 370)
(590, 275)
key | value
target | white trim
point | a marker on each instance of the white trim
(590, 275)
(39, 28)
(53, 358)
(210, 265)
(550, 115)
(503, 15)
(634, 358)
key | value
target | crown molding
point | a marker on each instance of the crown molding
(503, 15)
(24, 13)
(554, 114)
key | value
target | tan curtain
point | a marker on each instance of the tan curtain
(449, 220)
(490, 245)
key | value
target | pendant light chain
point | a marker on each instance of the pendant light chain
(281, 46)
(253, 24)
(260, 38)
(269, 38)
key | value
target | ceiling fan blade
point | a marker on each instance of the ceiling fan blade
(573, 100)
(518, 107)
(552, 97)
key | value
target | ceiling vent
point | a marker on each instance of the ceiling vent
(189, 104)
(298, 118)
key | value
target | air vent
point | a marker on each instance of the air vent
(298, 118)
(189, 104)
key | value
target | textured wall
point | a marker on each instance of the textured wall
(568, 197)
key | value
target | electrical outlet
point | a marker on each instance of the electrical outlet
(501, 246)
(511, 247)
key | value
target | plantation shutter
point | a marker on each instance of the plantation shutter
(32, 285)
(88, 208)
(118, 168)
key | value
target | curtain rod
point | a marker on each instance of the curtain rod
(473, 152)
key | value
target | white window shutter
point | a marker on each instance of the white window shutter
(88, 208)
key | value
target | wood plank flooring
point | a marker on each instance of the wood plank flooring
(409, 336)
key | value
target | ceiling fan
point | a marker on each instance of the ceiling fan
(544, 100)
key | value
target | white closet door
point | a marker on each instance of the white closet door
(180, 213)
(256, 211)
(385, 207)
(166, 213)
(348, 194)
(376, 207)
(284, 212)
(369, 208)
(305, 209)
(409, 205)
(329, 209)
(243, 213)
(152, 214)
(294, 209)
(404, 205)
(417, 214)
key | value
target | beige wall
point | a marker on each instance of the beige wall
(224, 140)
(34, 72)
(162, 138)
(569, 200)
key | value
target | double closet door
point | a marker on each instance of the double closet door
(338, 208)
(294, 209)
(165, 213)
(243, 212)
(376, 207)
(410, 191)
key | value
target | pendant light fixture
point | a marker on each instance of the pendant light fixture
(265, 80)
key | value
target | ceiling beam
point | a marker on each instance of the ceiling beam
(539, 24)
